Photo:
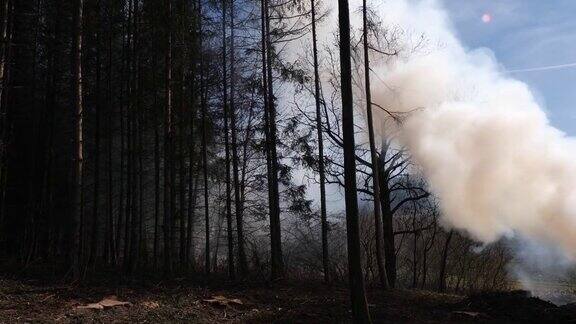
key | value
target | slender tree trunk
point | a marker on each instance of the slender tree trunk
(374, 156)
(156, 187)
(37, 134)
(167, 143)
(387, 224)
(181, 157)
(129, 147)
(79, 137)
(277, 262)
(242, 261)
(5, 34)
(359, 304)
(204, 113)
(321, 171)
(110, 239)
(48, 187)
(192, 180)
(138, 120)
(231, 270)
(266, 112)
(120, 222)
(6, 46)
(182, 177)
(192, 171)
(123, 217)
(132, 192)
(96, 193)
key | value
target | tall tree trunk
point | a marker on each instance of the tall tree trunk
(204, 113)
(231, 270)
(138, 163)
(359, 304)
(265, 108)
(129, 147)
(156, 187)
(167, 143)
(123, 217)
(78, 201)
(110, 239)
(181, 135)
(242, 261)
(157, 200)
(277, 262)
(192, 180)
(96, 193)
(374, 156)
(48, 156)
(321, 171)
(182, 177)
(6, 46)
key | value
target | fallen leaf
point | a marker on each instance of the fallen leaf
(91, 306)
(223, 301)
(151, 304)
(106, 302)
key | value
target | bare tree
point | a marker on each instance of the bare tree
(373, 155)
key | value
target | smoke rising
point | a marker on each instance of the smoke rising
(479, 136)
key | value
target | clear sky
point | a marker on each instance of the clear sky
(526, 34)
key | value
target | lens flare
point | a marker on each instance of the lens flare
(486, 18)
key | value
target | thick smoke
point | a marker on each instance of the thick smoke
(482, 141)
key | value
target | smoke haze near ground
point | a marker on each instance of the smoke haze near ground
(480, 137)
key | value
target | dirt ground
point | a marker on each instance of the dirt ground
(27, 301)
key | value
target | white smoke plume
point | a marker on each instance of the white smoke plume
(481, 139)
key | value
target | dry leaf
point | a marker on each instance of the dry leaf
(91, 306)
(107, 302)
(223, 301)
(151, 304)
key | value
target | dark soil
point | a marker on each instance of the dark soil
(518, 306)
(26, 301)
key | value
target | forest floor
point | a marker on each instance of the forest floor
(28, 301)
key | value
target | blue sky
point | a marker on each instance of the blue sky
(526, 34)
